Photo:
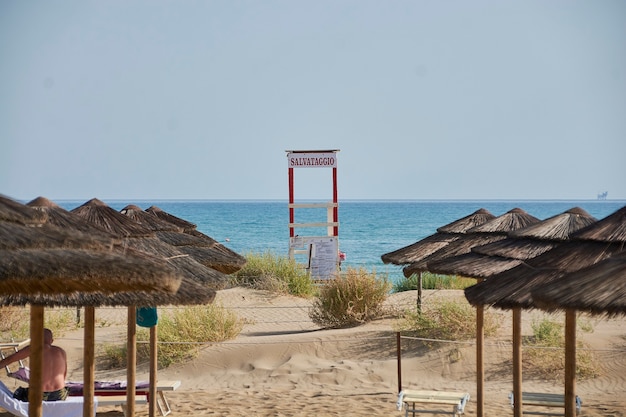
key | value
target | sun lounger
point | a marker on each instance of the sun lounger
(411, 398)
(540, 399)
(12, 347)
(114, 400)
(72, 407)
(117, 388)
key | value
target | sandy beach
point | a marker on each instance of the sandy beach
(282, 364)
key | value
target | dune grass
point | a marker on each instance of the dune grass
(544, 352)
(181, 333)
(432, 281)
(352, 298)
(15, 322)
(445, 320)
(279, 274)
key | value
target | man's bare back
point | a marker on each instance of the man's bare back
(54, 369)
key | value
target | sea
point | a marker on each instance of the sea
(367, 228)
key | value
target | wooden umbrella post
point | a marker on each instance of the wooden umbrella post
(480, 364)
(517, 362)
(152, 397)
(570, 363)
(35, 390)
(419, 292)
(131, 361)
(399, 355)
(88, 359)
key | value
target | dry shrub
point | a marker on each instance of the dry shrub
(14, 323)
(544, 354)
(446, 320)
(274, 273)
(181, 333)
(350, 299)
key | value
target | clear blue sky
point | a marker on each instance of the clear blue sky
(425, 99)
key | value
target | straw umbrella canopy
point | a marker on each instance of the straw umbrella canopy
(598, 289)
(591, 244)
(141, 237)
(60, 228)
(445, 235)
(61, 217)
(522, 244)
(513, 289)
(196, 244)
(185, 225)
(13, 211)
(40, 257)
(490, 231)
(27, 254)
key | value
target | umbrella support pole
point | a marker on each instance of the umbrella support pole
(88, 360)
(35, 391)
(570, 363)
(517, 361)
(480, 366)
(152, 396)
(131, 357)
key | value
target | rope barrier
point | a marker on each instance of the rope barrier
(359, 339)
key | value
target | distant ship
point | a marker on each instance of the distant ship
(602, 196)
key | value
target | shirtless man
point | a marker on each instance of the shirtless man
(54, 370)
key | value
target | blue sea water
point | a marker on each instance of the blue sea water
(367, 228)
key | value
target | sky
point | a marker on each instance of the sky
(437, 99)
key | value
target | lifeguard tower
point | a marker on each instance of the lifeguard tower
(317, 251)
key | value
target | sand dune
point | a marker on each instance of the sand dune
(283, 365)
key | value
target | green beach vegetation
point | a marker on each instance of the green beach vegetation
(445, 320)
(182, 332)
(15, 322)
(432, 281)
(544, 352)
(279, 274)
(353, 297)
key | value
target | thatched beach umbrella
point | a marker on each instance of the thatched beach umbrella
(522, 244)
(458, 238)
(61, 217)
(42, 258)
(598, 289)
(196, 244)
(142, 237)
(15, 212)
(150, 221)
(170, 218)
(190, 292)
(80, 270)
(491, 231)
(445, 235)
(512, 289)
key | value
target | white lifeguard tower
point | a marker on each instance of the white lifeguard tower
(318, 253)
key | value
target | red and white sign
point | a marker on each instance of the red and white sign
(312, 160)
